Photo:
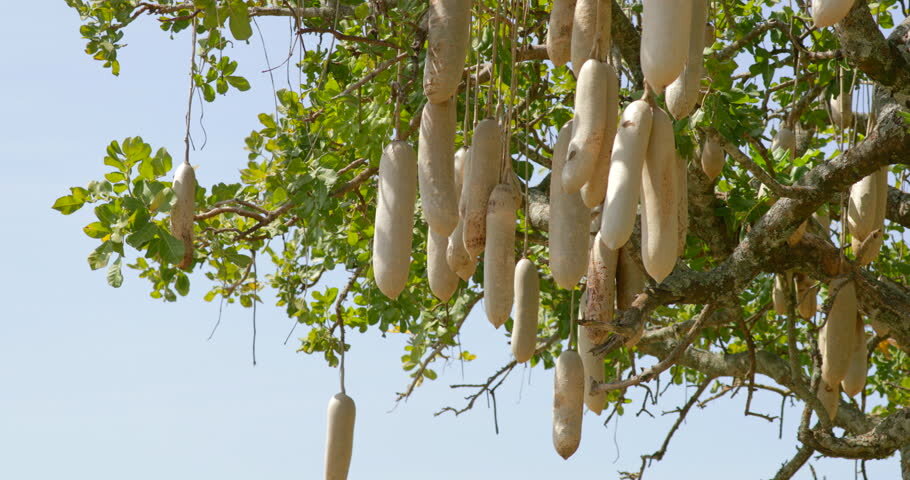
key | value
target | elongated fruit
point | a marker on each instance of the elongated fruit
(828, 12)
(569, 222)
(630, 279)
(682, 94)
(840, 332)
(593, 191)
(448, 37)
(594, 370)
(568, 400)
(436, 167)
(659, 215)
(829, 397)
(588, 126)
(499, 257)
(862, 209)
(591, 23)
(806, 296)
(457, 256)
(855, 380)
(784, 140)
(394, 218)
(601, 289)
(184, 210)
(842, 109)
(682, 193)
(559, 32)
(339, 440)
(481, 176)
(624, 184)
(780, 295)
(527, 304)
(712, 159)
(665, 26)
(443, 281)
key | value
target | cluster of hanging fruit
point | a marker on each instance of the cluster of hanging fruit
(606, 167)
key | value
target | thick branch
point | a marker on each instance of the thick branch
(867, 49)
(899, 207)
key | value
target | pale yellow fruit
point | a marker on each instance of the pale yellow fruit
(457, 256)
(592, 193)
(588, 125)
(712, 159)
(624, 184)
(448, 38)
(682, 192)
(855, 380)
(184, 210)
(600, 289)
(499, 255)
(780, 295)
(559, 32)
(806, 296)
(630, 279)
(481, 176)
(394, 218)
(591, 22)
(665, 26)
(594, 370)
(568, 400)
(828, 12)
(840, 332)
(659, 210)
(339, 442)
(829, 397)
(569, 222)
(683, 93)
(443, 281)
(784, 140)
(435, 166)
(527, 304)
(842, 109)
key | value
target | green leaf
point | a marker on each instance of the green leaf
(240, 21)
(100, 256)
(182, 285)
(239, 83)
(170, 248)
(96, 230)
(142, 236)
(115, 274)
(70, 203)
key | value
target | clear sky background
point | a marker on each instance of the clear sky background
(101, 383)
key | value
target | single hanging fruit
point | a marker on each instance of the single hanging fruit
(184, 210)
(569, 222)
(339, 441)
(448, 38)
(665, 28)
(481, 176)
(457, 256)
(559, 32)
(568, 400)
(659, 211)
(436, 166)
(394, 218)
(682, 94)
(527, 304)
(499, 255)
(624, 184)
(593, 191)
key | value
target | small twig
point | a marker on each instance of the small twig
(664, 364)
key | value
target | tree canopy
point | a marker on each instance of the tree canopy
(306, 197)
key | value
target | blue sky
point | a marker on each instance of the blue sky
(106, 383)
